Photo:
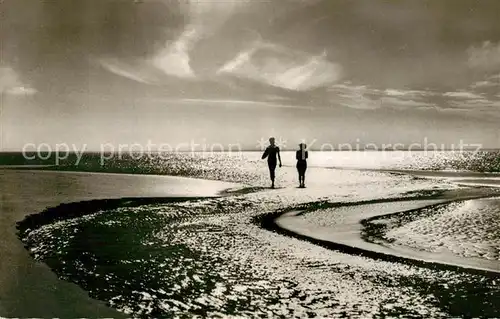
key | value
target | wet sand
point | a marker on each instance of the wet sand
(29, 288)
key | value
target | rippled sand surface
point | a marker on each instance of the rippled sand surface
(466, 228)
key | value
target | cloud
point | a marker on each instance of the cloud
(408, 93)
(477, 104)
(21, 90)
(463, 95)
(401, 103)
(10, 83)
(483, 84)
(357, 97)
(365, 97)
(174, 59)
(125, 70)
(482, 104)
(486, 56)
(238, 62)
(283, 67)
(487, 87)
(204, 18)
(314, 73)
(393, 92)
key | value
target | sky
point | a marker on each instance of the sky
(111, 72)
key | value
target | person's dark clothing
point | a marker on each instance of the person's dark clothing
(272, 169)
(301, 157)
(272, 153)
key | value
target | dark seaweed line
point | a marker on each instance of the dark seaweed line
(268, 222)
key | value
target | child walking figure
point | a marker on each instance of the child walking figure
(301, 155)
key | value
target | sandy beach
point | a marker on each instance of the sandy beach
(216, 228)
(29, 288)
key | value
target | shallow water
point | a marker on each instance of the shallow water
(247, 167)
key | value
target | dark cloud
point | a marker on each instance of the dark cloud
(51, 42)
(395, 43)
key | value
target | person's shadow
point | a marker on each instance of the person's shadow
(279, 187)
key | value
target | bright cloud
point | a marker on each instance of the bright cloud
(463, 95)
(483, 84)
(283, 67)
(393, 92)
(204, 17)
(174, 59)
(408, 93)
(125, 70)
(238, 62)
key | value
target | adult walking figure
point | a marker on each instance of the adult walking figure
(271, 152)
(301, 156)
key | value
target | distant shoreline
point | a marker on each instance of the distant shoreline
(283, 150)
